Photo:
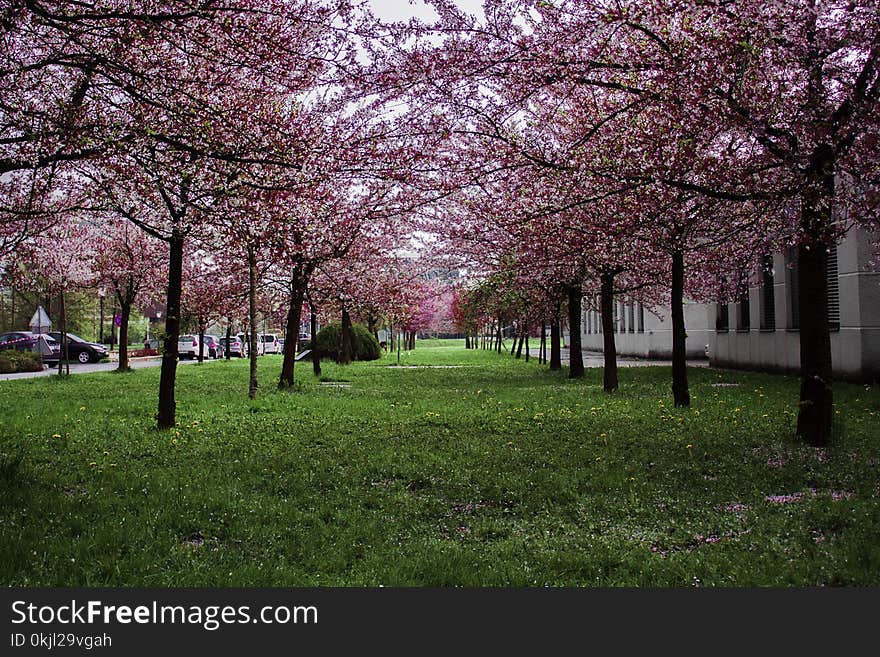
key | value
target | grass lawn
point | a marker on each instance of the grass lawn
(487, 471)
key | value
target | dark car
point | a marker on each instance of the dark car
(81, 350)
(212, 344)
(43, 343)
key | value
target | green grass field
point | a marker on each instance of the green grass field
(488, 471)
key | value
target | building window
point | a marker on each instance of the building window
(722, 318)
(768, 297)
(641, 318)
(632, 317)
(833, 289)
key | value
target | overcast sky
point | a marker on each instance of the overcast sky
(404, 10)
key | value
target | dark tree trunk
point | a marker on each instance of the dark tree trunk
(499, 338)
(542, 345)
(201, 343)
(100, 329)
(467, 341)
(228, 353)
(555, 343)
(64, 362)
(575, 353)
(815, 412)
(609, 374)
(296, 294)
(313, 331)
(527, 346)
(167, 406)
(519, 346)
(513, 346)
(412, 340)
(680, 393)
(112, 327)
(316, 354)
(125, 306)
(345, 346)
(252, 320)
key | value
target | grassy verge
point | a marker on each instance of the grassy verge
(455, 468)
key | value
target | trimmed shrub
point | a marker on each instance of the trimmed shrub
(364, 344)
(13, 360)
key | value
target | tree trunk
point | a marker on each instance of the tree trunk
(499, 338)
(125, 305)
(345, 346)
(252, 320)
(513, 346)
(609, 374)
(296, 294)
(815, 411)
(467, 341)
(575, 353)
(542, 344)
(101, 329)
(112, 327)
(313, 331)
(519, 347)
(527, 346)
(228, 353)
(167, 406)
(680, 393)
(201, 343)
(555, 347)
(412, 340)
(64, 362)
(316, 354)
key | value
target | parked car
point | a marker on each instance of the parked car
(271, 343)
(247, 338)
(212, 344)
(236, 346)
(49, 347)
(188, 346)
(80, 349)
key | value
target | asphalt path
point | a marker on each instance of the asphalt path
(597, 359)
(78, 368)
(591, 359)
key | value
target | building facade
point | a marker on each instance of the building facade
(641, 333)
(761, 331)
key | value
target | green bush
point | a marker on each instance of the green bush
(364, 344)
(12, 361)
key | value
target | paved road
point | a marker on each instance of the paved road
(77, 368)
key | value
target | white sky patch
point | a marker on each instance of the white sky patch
(401, 10)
